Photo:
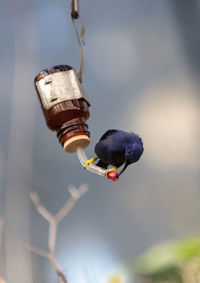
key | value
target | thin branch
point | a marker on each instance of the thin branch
(52, 236)
(57, 268)
(36, 250)
(50, 257)
(75, 195)
(83, 189)
(65, 209)
(40, 208)
(53, 221)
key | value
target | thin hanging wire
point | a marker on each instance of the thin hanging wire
(80, 39)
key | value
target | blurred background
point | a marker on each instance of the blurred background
(141, 74)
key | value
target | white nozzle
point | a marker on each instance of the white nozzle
(91, 167)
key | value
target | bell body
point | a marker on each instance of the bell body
(64, 106)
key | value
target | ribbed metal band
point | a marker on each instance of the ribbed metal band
(58, 87)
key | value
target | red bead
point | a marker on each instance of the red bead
(113, 176)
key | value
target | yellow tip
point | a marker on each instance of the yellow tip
(110, 170)
(90, 161)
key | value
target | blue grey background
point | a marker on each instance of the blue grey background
(141, 74)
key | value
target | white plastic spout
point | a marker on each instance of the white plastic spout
(91, 167)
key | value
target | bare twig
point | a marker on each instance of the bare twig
(75, 195)
(57, 268)
(53, 222)
(52, 236)
(50, 257)
(36, 250)
(40, 208)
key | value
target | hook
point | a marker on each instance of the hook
(75, 9)
(74, 16)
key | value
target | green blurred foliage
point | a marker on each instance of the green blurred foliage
(170, 261)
